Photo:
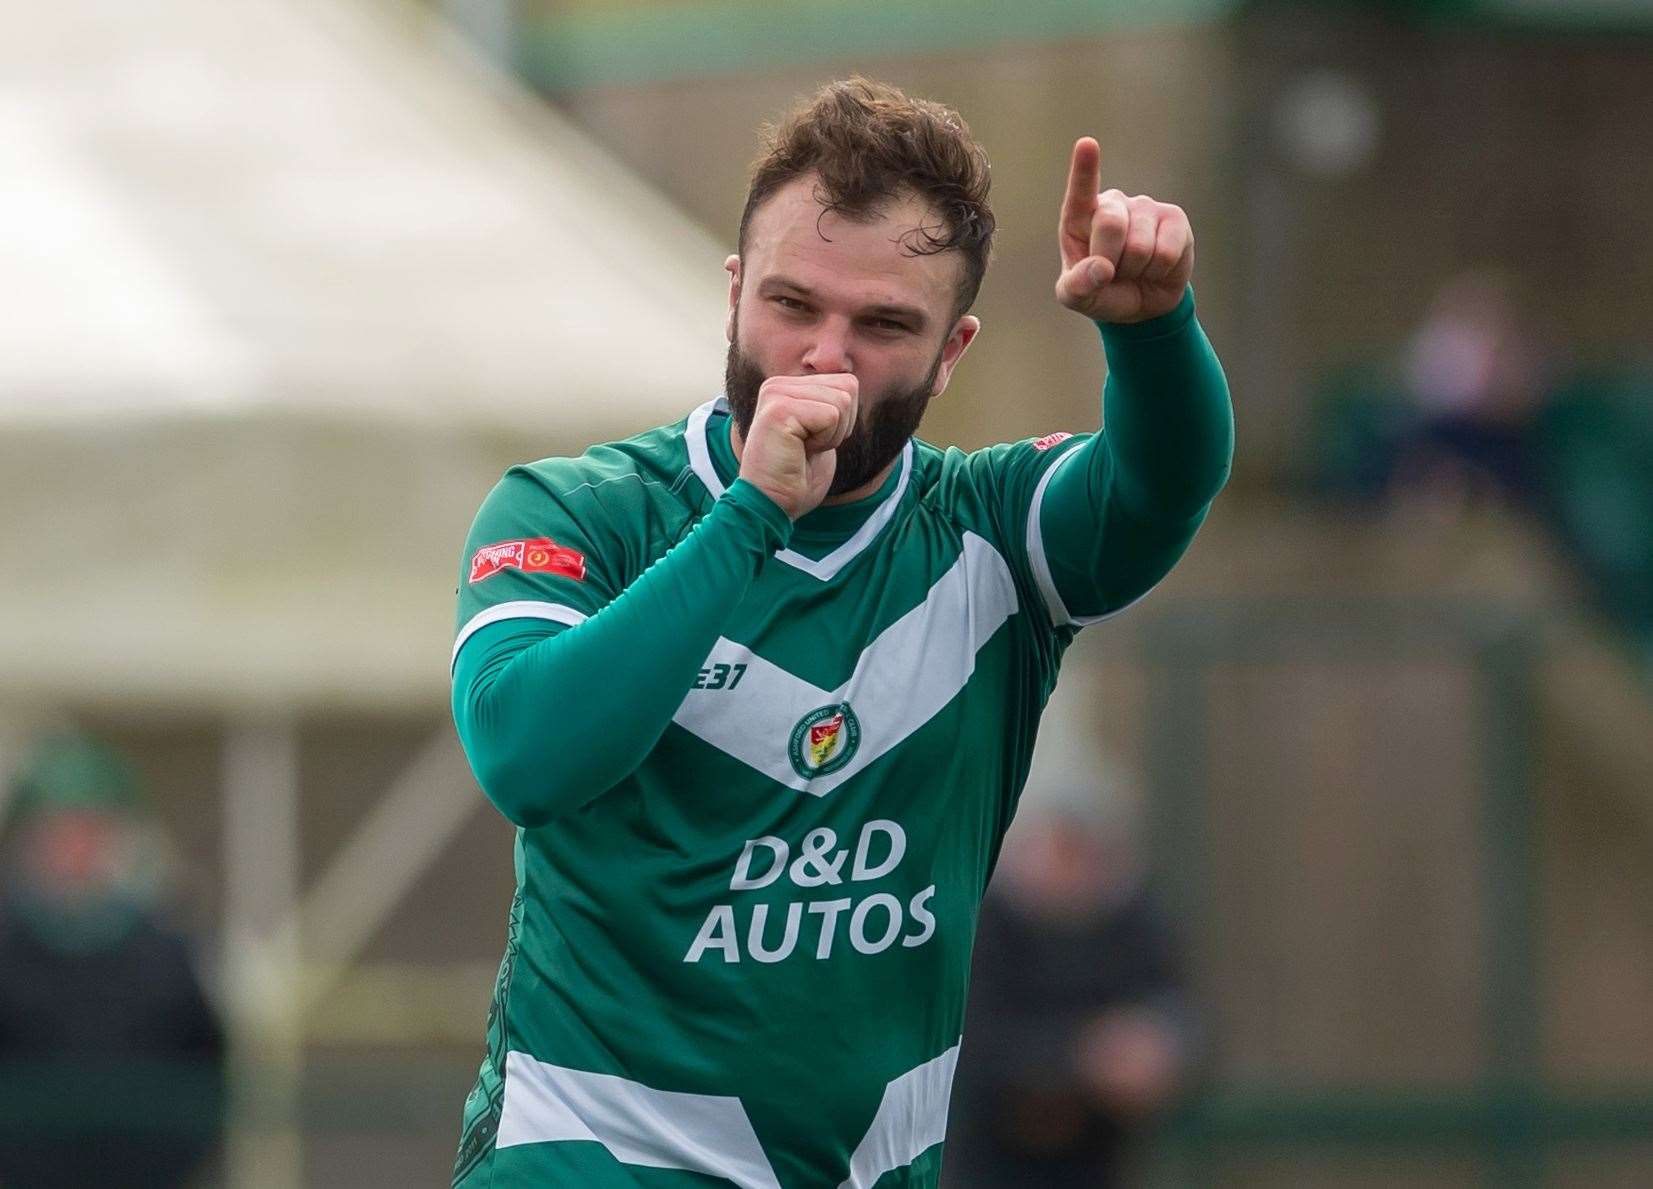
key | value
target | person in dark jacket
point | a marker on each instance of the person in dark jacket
(111, 1056)
(1079, 1031)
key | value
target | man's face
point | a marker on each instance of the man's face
(817, 293)
(75, 856)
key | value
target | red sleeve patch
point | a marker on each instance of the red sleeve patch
(536, 555)
(1051, 439)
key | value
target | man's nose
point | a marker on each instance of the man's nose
(829, 352)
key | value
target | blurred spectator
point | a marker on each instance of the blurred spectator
(110, 1055)
(1078, 1032)
(1476, 378)
(1453, 419)
(1474, 409)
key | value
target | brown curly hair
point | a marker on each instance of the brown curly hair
(868, 143)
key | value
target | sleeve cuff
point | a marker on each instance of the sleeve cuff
(1153, 328)
(749, 498)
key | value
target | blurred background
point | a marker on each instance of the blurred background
(288, 283)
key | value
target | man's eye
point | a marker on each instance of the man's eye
(888, 324)
(789, 303)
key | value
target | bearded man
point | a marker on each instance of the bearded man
(759, 688)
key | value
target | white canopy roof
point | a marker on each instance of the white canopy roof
(287, 287)
(297, 205)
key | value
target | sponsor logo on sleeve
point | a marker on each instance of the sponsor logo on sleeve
(1051, 439)
(540, 555)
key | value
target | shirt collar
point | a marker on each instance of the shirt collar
(839, 533)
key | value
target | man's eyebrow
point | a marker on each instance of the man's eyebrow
(882, 310)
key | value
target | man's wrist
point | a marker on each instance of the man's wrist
(751, 499)
(1163, 326)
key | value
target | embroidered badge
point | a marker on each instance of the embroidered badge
(824, 740)
(535, 555)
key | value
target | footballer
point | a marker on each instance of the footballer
(759, 688)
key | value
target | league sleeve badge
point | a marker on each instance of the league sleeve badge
(533, 555)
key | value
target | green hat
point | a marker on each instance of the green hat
(72, 771)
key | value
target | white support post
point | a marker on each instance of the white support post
(261, 874)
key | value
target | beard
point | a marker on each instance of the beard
(884, 421)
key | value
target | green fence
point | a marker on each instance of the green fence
(1509, 1122)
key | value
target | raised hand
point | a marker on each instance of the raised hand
(1124, 259)
(791, 451)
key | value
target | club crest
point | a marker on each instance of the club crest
(824, 740)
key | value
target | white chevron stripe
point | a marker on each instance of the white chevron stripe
(1040, 563)
(702, 1133)
(902, 680)
(911, 1118)
(518, 609)
(1037, 560)
(752, 722)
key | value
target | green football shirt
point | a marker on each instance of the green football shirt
(738, 951)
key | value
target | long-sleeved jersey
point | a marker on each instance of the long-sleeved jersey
(761, 771)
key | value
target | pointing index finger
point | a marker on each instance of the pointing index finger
(1084, 182)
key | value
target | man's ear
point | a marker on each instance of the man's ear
(963, 334)
(732, 267)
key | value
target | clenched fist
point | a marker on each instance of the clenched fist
(790, 453)
(1124, 259)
